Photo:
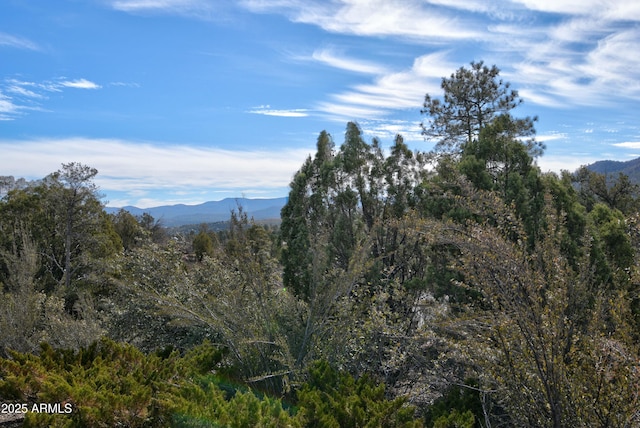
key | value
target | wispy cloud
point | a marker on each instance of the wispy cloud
(8, 110)
(552, 137)
(579, 55)
(415, 20)
(581, 58)
(198, 9)
(467, 5)
(17, 42)
(333, 58)
(343, 111)
(18, 96)
(628, 145)
(134, 168)
(79, 84)
(39, 89)
(386, 131)
(125, 84)
(607, 9)
(23, 89)
(390, 91)
(134, 5)
(266, 110)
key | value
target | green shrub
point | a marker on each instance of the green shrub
(109, 384)
(334, 399)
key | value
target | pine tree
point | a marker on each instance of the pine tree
(472, 99)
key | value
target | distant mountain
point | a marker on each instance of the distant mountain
(629, 168)
(209, 212)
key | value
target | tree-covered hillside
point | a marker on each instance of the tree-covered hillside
(459, 287)
(209, 212)
(609, 168)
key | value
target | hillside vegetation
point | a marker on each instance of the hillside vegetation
(612, 169)
(455, 288)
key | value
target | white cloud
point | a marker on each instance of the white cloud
(17, 42)
(12, 108)
(267, 111)
(411, 19)
(79, 84)
(581, 58)
(386, 130)
(8, 109)
(125, 84)
(332, 58)
(580, 29)
(139, 168)
(168, 5)
(611, 65)
(17, 96)
(39, 89)
(628, 145)
(20, 88)
(403, 89)
(198, 9)
(468, 5)
(344, 112)
(623, 10)
(540, 97)
(552, 137)
(558, 163)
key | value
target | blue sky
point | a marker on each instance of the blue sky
(184, 101)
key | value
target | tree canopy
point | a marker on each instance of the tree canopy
(472, 99)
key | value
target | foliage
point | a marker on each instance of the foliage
(332, 399)
(110, 384)
(339, 200)
(460, 406)
(131, 230)
(73, 239)
(75, 214)
(544, 322)
(29, 316)
(616, 192)
(455, 419)
(237, 299)
(473, 98)
(340, 243)
(203, 244)
(499, 161)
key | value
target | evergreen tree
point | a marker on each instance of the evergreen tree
(203, 243)
(304, 216)
(616, 192)
(472, 99)
(499, 161)
(64, 215)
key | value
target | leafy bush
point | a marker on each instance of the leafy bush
(110, 384)
(334, 399)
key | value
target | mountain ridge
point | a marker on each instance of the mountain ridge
(210, 211)
(269, 208)
(630, 168)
